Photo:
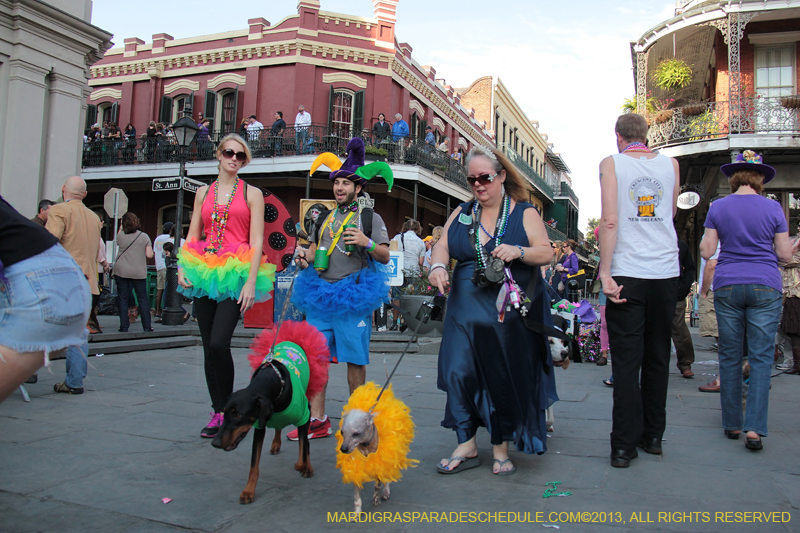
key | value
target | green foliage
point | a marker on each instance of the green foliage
(651, 105)
(672, 74)
(416, 283)
(374, 150)
(702, 126)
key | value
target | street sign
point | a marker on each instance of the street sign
(394, 268)
(191, 185)
(688, 200)
(121, 204)
(166, 184)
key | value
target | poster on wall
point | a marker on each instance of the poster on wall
(310, 210)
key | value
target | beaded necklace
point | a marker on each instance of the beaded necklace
(348, 209)
(499, 232)
(637, 147)
(219, 221)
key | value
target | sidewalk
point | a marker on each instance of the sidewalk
(102, 462)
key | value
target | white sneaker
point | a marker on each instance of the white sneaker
(382, 328)
(784, 366)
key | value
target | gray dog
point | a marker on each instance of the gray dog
(359, 433)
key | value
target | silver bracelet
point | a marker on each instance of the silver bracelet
(435, 265)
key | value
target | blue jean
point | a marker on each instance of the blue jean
(754, 310)
(300, 139)
(124, 289)
(77, 365)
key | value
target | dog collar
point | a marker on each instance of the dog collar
(277, 372)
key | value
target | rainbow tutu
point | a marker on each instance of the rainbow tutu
(222, 275)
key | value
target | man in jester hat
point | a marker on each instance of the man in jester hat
(344, 287)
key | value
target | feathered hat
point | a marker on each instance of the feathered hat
(354, 168)
(749, 160)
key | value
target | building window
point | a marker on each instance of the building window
(342, 113)
(178, 105)
(227, 112)
(774, 78)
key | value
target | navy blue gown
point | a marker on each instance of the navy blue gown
(496, 375)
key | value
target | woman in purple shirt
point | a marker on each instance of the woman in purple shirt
(747, 290)
(569, 265)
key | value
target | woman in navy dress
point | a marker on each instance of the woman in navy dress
(498, 375)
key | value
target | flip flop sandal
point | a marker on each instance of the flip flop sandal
(609, 382)
(504, 472)
(465, 464)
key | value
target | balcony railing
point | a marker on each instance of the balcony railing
(554, 234)
(287, 142)
(711, 120)
(567, 191)
(528, 170)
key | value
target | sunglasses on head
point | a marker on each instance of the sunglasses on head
(483, 179)
(229, 154)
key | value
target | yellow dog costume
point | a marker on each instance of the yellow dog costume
(395, 430)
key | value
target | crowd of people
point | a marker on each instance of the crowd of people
(494, 261)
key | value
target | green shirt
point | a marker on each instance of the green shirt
(297, 413)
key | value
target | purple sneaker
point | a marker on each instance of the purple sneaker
(210, 431)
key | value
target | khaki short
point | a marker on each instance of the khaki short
(161, 279)
(708, 318)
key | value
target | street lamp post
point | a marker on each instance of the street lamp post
(185, 130)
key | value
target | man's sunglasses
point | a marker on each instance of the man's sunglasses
(483, 179)
(229, 154)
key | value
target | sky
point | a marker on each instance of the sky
(567, 64)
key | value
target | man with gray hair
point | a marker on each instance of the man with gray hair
(41, 217)
(77, 228)
(301, 123)
(400, 133)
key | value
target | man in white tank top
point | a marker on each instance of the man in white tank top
(639, 270)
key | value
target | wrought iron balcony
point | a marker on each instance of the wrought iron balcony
(566, 191)
(696, 122)
(282, 143)
(554, 234)
(528, 170)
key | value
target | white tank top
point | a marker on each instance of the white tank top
(647, 247)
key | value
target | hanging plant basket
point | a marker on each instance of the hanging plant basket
(791, 102)
(693, 110)
(663, 116)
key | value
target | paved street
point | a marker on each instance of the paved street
(103, 461)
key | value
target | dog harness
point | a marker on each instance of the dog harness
(294, 359)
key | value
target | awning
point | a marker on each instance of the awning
(557, 161)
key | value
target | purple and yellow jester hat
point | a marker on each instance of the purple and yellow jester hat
(353, 167)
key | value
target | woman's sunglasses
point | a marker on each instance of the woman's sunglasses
(229, 154)
(483, 179)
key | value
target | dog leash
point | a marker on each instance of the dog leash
(281, 319)
(405, 351)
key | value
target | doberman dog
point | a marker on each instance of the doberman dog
(269, 392)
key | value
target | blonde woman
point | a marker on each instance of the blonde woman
(226, 273)
(497, 374)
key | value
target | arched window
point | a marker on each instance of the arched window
(342, 113)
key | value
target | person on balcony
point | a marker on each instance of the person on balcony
(276, 133)
(381, 129)
(301, 123)
(254, 129)
(445, 145)
(430, 140)
(639, 270)
(400, 133)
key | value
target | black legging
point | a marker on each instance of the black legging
(217, 320)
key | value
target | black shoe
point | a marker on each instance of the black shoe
(33, 379)
(650, 445)
(733, 435)
(753, 444)
(63, 387)
(623, 458)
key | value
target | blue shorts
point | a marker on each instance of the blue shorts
(347, 333)
(45, 304)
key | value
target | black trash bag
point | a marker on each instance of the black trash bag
(107, 304)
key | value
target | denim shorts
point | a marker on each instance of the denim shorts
(44, 304)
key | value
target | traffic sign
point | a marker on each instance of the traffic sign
(121, 203)
(166, 184)
(191, 185)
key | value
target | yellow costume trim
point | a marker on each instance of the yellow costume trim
(328, 159)
(395, 433)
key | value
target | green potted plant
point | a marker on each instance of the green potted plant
(415, 291)
(440, 169)
(671, 74)
(373, 153)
